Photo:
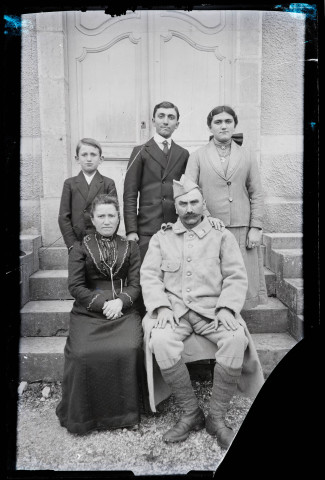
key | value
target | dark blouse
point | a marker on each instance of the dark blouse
(94, 278)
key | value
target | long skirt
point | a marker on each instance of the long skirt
(102, 370)
(253, 259)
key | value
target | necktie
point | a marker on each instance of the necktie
(165, 144)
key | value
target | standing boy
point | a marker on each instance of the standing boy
(78, 192)
(151, 170)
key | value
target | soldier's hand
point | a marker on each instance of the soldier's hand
(226, 318)
(216, 223)
(165, 315)
(133, 236)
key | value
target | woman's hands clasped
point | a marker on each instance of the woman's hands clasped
(113, 309)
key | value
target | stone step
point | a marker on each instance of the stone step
(56, 258)
(49, 285)
(291, 292)
(53, 284)
(286, 263)
(280, 241)
(42, 358)
(269, 318)
(270, 281)
(271, 348)
(53, 258)
(46, 318)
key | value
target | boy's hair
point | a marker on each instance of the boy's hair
(104, 199)
(165, 105)
(220, 109)
(88, 141)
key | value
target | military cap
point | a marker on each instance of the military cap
(183, 185)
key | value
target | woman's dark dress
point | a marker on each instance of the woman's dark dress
(103, 358)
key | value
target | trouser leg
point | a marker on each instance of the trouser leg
(178, 379)
(225, 381)
(167, 345)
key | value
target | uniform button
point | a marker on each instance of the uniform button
(189, 259)
(188, 289)
(191, 236)
(163, 198)
(189, 274)
(228, 183)
(230, 199)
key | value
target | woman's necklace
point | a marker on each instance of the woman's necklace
(223, 149)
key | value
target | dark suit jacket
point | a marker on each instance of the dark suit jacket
(74, 216)
(150, 176)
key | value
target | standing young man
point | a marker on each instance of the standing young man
(151, 170)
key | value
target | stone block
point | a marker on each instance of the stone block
(287, 263)
(270, 281)
(26, 268)
(31, 243)
(282, 215)
(271, 348)
(45, 318)
(296, 325)
(291, 292)
(53, 258)
(280, 241)
(41, 359)
(269, 318)
(51, 233)
(49, 285)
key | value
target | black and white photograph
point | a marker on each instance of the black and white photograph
(166, 162)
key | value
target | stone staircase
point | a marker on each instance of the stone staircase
(46, 303)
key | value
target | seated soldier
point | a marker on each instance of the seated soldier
(194, 283)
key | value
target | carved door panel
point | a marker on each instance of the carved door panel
(191, 65)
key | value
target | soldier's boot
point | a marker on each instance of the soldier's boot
(224, 387)
(178, 379)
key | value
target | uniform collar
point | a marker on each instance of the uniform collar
(200, 230)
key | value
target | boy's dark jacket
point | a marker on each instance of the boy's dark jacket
(74, 214)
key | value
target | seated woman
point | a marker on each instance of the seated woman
(103, 352)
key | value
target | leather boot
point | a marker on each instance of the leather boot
(224, 387)
(178, 379)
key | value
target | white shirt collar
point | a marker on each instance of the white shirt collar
(89, 179)
(159, 140)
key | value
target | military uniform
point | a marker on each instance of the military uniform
(195, 272)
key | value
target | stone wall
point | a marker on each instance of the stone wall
(282, 90)
(31, 179)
